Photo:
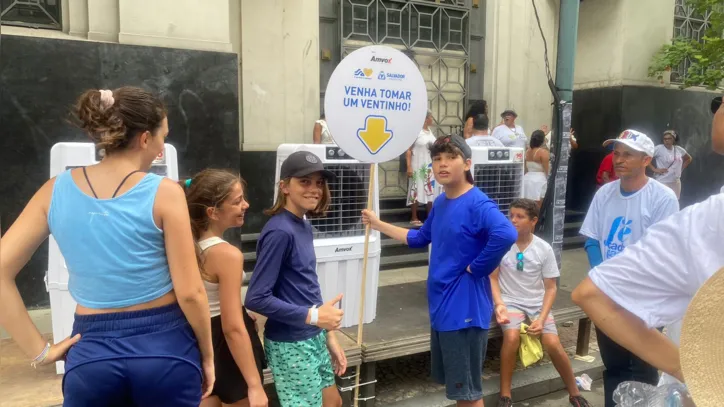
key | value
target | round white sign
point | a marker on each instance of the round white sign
(375, 104)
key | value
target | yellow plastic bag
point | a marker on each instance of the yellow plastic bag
(530, 350)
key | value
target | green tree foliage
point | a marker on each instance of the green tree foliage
(707, 56)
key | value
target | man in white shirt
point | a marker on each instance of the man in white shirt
(619, 215)
(653, 281)
(509, 133)
(479, 136)
(524, 288)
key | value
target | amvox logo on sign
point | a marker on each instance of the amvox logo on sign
(381, 60)
(343, 249)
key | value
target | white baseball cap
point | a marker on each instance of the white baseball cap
(634, 139)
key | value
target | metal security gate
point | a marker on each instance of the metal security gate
(436, 34)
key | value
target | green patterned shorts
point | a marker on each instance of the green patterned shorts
(301, 370)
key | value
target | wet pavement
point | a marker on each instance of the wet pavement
(400, 379)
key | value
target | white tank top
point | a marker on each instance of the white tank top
(212, 289)
(534, 166)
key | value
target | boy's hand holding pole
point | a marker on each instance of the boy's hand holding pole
(370, 218)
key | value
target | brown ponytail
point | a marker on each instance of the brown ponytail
(114, 121)
(207, 189)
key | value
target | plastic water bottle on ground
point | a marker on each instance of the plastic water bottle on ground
(584, 382)
(636, 394)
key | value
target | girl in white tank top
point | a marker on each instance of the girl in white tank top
(537, 160)
(212, 289)
(216, 203)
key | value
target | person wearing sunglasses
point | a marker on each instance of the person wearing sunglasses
(524, 288)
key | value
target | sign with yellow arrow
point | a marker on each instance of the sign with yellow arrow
(375, 104)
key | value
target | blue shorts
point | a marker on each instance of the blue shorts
(457, 361)
(139, 358)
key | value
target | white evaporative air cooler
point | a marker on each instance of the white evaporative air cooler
(64, 156)
(339, 236)
(498, 172)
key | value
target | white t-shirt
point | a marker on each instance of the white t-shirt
(673, 160)
(510, 137)
(657, 277)
(525, 288)
(618, 221)
(484, 141)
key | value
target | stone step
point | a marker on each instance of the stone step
(535, 381)
(403, 260)
(574, 242)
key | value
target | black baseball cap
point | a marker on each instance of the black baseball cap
(302, 163)
(461, 145)
(458, 142)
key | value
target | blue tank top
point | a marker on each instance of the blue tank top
(115, 253)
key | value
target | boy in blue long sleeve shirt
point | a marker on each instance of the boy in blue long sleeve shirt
(469, 237)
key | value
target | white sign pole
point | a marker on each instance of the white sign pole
(375, 105)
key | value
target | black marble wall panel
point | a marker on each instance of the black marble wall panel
(596, 117)
(41, 78)
(258, 169)
(654, 110)
(599, 114)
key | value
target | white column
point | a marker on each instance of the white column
(614, 47)
(515, 74)
(642, 38)
(103, 18)
(190, 24)
(279, 72)
(77, 18)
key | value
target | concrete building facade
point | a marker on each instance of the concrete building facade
(467, 50)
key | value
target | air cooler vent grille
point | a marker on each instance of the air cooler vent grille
(349, 198)
(502, 183)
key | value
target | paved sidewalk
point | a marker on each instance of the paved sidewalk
(560, 398)
(400, 380)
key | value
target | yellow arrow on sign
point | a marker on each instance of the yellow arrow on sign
(375, 134)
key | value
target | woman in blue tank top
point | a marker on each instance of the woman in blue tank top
(141, 333)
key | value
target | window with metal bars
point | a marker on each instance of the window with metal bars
(435, 34)
(687, 24)
(349, 197)
(503, 183)
(31, 13)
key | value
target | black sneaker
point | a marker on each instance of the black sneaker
(505, 402)
(578, 401)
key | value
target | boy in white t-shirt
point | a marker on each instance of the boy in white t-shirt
(652, 283)
(619, 215)
(524, 288)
